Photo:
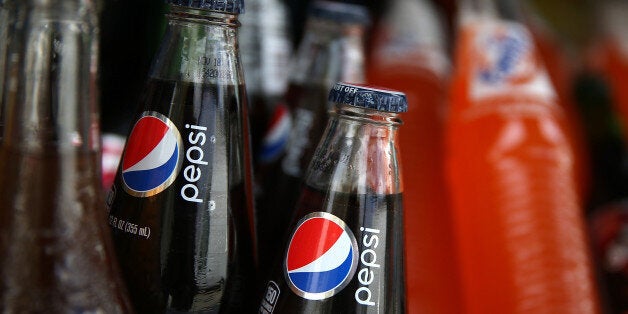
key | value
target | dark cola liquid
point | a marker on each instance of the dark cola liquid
(56, 252)
(192, 253)
(378, 282)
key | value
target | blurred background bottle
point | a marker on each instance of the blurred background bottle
(510, 165)
(332, 50)
(603, 99)
(409, 53)
(57, 255)
(181, 206)
(266, 51)
(130, 34)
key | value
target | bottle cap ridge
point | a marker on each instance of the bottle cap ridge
(369, 97)
(339, 11)
(227, 6)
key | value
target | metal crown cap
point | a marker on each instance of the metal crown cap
(339, 11)
(369, 97)
(227, 6)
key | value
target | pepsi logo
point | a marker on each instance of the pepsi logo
(153, 155)
(505, 55)
(322, 256)
(276, 138)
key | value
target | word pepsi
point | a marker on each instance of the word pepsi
(194, 155)
(368, 259)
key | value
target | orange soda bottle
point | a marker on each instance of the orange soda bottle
(408, 54)
(519, 227)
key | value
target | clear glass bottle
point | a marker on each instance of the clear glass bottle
(345, 253)
(57, 255)
(332, 50)
(181, 202)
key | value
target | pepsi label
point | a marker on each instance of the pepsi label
(322, 256)
(195, 156)
(347, 256)
(152, 157)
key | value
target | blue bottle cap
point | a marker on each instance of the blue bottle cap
(369, 97)
(339, 11)
(227, 6)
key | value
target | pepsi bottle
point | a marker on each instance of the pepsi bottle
(56, 249)
(331, 51)
(344, 253)
(179, 206)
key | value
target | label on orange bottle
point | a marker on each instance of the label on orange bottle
(504, 63)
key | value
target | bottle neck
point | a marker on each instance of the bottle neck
(199, 46)
(330, 52)
(51, 88)
(358, 153)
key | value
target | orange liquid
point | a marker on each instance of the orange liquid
(431, 268)
(510, 167)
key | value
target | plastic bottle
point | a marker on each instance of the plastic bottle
(409, 54)
(519, 226)
(181, 203)
(332, 50)
(56, 249)
(345, 250)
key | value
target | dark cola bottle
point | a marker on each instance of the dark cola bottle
(345, 250)
(56, 249)
(332, 50)
(179, 206)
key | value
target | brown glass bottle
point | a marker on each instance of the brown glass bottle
(56, 252)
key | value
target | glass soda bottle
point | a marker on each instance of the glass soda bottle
(520, 231)
(344, 253)
(57, 255)
(332, 50)
(409, 54)
(266, 50)
(181, 201)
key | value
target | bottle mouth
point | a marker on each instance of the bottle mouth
(203, 16)
(366, 115)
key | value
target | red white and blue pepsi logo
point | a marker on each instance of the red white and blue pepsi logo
(322, 256)
(505, 55)
(276, 138)
(153, 155)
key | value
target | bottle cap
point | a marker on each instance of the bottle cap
(339, 11)
(227, 6)
(369, 97)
